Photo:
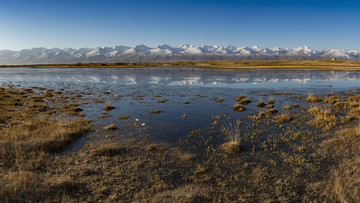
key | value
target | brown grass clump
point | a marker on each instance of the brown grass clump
(194, 133)
(258, 116)
(124, 117)
(331, 99)
(270, 106)
(154, 148)
(271, 101)
(238, 107)
(282, 118)
(242, 100)
(287, 107)
(346, 105)
(155, 111)
(220, 100)
(186, 102)
(232, 132)
(162, 101)
(110, 127)
(73, 108)
(271, 111)
(231, 148)
(313, 98)
(109, 107)
(261, 104)
(108, 149)
(323, 118)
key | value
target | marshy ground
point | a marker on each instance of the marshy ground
(294, 147)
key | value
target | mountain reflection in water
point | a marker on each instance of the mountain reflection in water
(186, 77)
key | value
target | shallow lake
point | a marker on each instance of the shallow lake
(186, 96)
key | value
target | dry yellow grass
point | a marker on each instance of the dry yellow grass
(279, 65)
(323, 118)
(282, 118)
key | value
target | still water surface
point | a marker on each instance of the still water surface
(136, 91)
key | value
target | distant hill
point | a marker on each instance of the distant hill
(166, 53)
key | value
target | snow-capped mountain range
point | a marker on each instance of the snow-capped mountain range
(166, 53)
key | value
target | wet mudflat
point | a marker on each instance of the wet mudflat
(183, 134)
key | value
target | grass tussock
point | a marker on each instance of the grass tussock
(162, 101)
(124, 117)
(231, 148)
(346, 105)
(232, 132)
(323, 118)
(313, 98)
(110, 127)
(271, 111)
(331, 99)
(238, 107)
(219, 100)
(108, 149)
(109, 107)
(282, 118)
(261, 104)
(155, 111)
(242, 100)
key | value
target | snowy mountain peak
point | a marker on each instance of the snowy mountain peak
(163, 53)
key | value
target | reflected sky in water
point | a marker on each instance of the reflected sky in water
(186, 77)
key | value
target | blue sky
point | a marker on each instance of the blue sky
(318, 24)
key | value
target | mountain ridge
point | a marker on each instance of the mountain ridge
(166, 53)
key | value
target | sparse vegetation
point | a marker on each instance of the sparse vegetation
(306, 154)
